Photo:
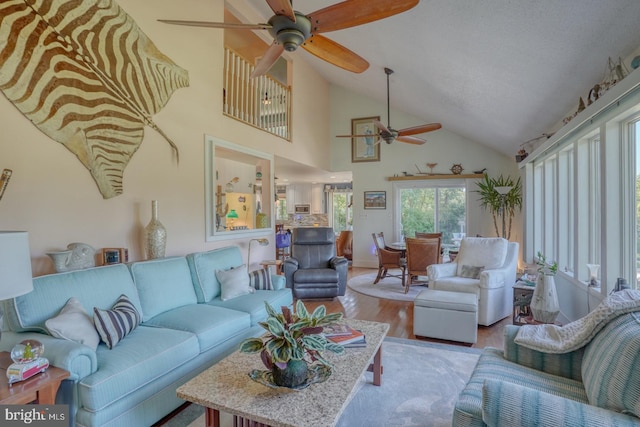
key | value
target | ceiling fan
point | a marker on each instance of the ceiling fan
(290, 29)
(388, 134)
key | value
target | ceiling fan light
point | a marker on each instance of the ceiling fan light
(290, 39)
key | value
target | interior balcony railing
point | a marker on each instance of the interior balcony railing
(261, 102)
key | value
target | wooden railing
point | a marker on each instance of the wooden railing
(262, 101)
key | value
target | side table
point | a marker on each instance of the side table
(522, 295)
(41, 388)
(277, 262)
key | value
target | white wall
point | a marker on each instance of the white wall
(53, 197)
(442, 147)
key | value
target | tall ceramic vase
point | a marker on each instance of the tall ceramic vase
(155, 235)
(544, 302)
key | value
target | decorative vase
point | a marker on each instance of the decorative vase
(544, 302)
(155, 234)
(294, 375)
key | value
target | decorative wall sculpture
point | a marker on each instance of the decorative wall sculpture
(87, 76)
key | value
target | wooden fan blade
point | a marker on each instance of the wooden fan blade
(419, 129)
(335, 53)
(355, 12)
(356, 136)
(217, 24)
(381, 127)
(270, 57)
(282, 7)
(410, 140)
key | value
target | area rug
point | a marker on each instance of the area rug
(420, 385)
(387, 288)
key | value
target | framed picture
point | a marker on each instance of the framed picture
(364, 148)
(115, 255)
(375, 200)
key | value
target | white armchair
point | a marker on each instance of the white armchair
(485, 266)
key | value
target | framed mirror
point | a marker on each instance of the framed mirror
(239, 191)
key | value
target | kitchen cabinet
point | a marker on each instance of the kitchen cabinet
(291, 198)
(317, 198)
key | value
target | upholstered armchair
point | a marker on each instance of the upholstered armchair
(314, 270)
(485, 266)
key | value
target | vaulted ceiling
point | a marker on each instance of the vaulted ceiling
(499, 72)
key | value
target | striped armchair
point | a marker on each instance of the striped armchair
(597, 385)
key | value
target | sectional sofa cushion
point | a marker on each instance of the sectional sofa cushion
(163, 284)
(234, 282)
(94, 287)
(610, 366)
(73, 323)
(115, 324)
(222, 323)
(203, 270)
(253, 304)
(147, 354)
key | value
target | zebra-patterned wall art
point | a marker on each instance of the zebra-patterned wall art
(87, 76)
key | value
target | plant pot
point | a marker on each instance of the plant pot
(294, 375)
(544, 302)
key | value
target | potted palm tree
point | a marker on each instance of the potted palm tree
(492, 199)
(294, 343)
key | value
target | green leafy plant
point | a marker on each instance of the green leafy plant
(293, 336)
(544, 267)
(491, 199)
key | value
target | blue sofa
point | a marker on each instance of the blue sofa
(185, 329)
(596, 385)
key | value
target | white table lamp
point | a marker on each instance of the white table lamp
(16, 277)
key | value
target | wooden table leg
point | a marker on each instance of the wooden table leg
(47, 394)
(376, 367)
(212, 417)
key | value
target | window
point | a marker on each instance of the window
(584, 194)
(341, 211)
(433, 207)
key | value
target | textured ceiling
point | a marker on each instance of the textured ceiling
(499, 72)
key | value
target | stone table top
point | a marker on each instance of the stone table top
(226, 386)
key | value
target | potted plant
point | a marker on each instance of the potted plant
(490, 198)
(293, 343)
(544, 302)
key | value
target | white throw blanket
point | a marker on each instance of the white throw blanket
(563, 339)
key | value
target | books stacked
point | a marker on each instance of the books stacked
(345, 336)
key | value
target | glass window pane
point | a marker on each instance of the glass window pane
(417, 210)
(451, 213)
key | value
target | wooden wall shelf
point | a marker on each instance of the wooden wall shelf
(436, 176)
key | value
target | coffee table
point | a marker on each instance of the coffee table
(226, 387)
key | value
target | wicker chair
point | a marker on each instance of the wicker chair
(421, 253)
(388, 259)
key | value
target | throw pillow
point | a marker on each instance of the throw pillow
(115, 324)
(234, 282)
(260, 279)
(73, 323)
(470, 271)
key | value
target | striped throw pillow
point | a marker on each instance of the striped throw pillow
(260, 279)
(115, 324)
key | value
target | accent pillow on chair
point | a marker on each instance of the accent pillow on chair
(260, 279)
(73, 323)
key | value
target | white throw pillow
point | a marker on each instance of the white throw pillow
(73, 323)
(234, 282)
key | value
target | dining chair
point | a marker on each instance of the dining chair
(428, 235)
(421, 253)
(388, 259)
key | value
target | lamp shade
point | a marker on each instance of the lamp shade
(232, 214)
(503, 189)
(16, 277)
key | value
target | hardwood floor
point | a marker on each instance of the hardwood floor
(399, 314)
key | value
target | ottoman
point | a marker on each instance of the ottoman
(446, 315)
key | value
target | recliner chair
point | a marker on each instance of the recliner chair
(314, 270)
